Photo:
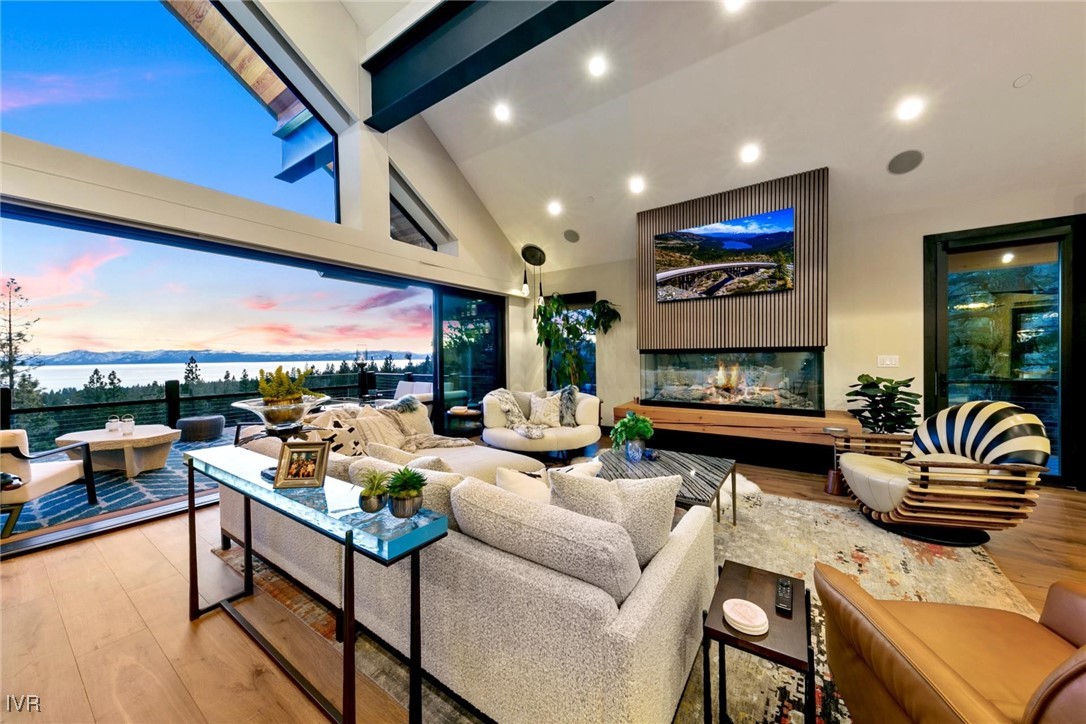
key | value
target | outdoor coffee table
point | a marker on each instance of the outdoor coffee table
(703, 476)
(145, 449)
(788, 641)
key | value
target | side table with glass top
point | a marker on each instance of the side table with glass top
(331, 511)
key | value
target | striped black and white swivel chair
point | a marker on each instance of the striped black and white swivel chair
(972, 467)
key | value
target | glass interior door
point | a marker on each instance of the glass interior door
(1003, 330)
(473, 362)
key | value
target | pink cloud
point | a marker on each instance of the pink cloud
(382, 299)
(72, 276)
(28, 90)
(260, 302)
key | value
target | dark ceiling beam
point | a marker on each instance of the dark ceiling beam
(457, 44)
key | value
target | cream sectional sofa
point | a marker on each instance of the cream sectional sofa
(555, 439)
(519, 640)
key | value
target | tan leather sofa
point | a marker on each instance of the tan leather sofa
(907, 661)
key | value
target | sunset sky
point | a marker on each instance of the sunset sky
(105, 294)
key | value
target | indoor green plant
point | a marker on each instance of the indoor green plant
(631, 431)
(561, 331)
(886, 406)
(405, 492)
(374, 494)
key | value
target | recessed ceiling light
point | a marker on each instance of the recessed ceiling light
(1007, 258)
(1023, 80)
(750, 153)
(734, 6)
(637, 184)
(909, 108)
(597, 66)
(554, 208)
(502, 112)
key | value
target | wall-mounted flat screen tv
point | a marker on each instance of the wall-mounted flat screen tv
(738, 256)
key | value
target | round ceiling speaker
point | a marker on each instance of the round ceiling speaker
(571, 236)
(904, 162)
(533, 255)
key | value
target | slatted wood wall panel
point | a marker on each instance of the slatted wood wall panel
(796, 318)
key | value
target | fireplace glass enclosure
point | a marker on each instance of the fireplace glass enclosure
(787, 381)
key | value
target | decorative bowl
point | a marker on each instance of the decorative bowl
(282, 416)
(405, 507)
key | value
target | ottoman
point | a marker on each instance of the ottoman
(195, 429)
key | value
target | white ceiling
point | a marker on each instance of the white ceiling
(814, 83)
(369, 15)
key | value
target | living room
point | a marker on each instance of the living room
(884, 189)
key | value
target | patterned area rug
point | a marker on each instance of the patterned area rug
(116, 491)
(778, 534)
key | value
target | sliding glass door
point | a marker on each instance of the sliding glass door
(472, 359)
(999, 323)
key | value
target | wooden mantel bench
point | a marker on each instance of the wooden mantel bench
(810, 429)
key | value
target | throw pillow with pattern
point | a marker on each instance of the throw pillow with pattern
(545, 411)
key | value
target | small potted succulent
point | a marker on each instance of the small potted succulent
(405, 492)
(631, 431)
(374, 494)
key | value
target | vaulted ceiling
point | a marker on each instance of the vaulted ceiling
(814, 83)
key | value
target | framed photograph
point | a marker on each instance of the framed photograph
(302, 465)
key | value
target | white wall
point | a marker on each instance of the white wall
(876, 292)
(618, 376)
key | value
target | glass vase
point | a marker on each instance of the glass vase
(635, 450)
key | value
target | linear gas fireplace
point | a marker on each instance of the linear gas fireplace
(787, 381)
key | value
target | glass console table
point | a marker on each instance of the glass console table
(331, 511)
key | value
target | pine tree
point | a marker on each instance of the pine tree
(386, 366)
(344, 367)
(427, 367)
(113, 386)
(94, 388)
(226, 376)
(15, 340)
(408, 367)
(192, 375)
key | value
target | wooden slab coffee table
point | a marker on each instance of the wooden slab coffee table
(145, 449)
(788, 641)
(703, 475)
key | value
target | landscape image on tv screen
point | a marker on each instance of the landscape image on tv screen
(739, 256)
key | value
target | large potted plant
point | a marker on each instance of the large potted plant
(886, 406)
(561, 332)
(631, 431)
(282, 394)
(405, 492)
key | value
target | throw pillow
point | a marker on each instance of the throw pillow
(536, 486)
(430, 462)
(524, 399)
(567, 412)
(594, 551)
(645, 508)
(545, 411)
(380, 430)
(343, 433)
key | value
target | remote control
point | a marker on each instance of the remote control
(784, 595)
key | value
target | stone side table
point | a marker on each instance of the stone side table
(145, 449)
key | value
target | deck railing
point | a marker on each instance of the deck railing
(44, 424)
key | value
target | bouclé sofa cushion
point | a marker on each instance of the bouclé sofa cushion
(400, 457)
(537, 485)
(644, 508)
(591, 550)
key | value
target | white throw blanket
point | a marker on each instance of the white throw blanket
(514, 416)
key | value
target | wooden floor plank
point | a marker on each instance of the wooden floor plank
(319, 660)
(134, 560)
(131, 680)
(230, 679)
(22, 580)
(97, 614)
(36, 658)
(164, 598)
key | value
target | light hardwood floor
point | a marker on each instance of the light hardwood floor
(99, 629)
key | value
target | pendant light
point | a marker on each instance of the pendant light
(524, 287)
(535, 258)
(539, 302)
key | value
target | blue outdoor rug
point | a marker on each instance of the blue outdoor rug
(116, 491)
